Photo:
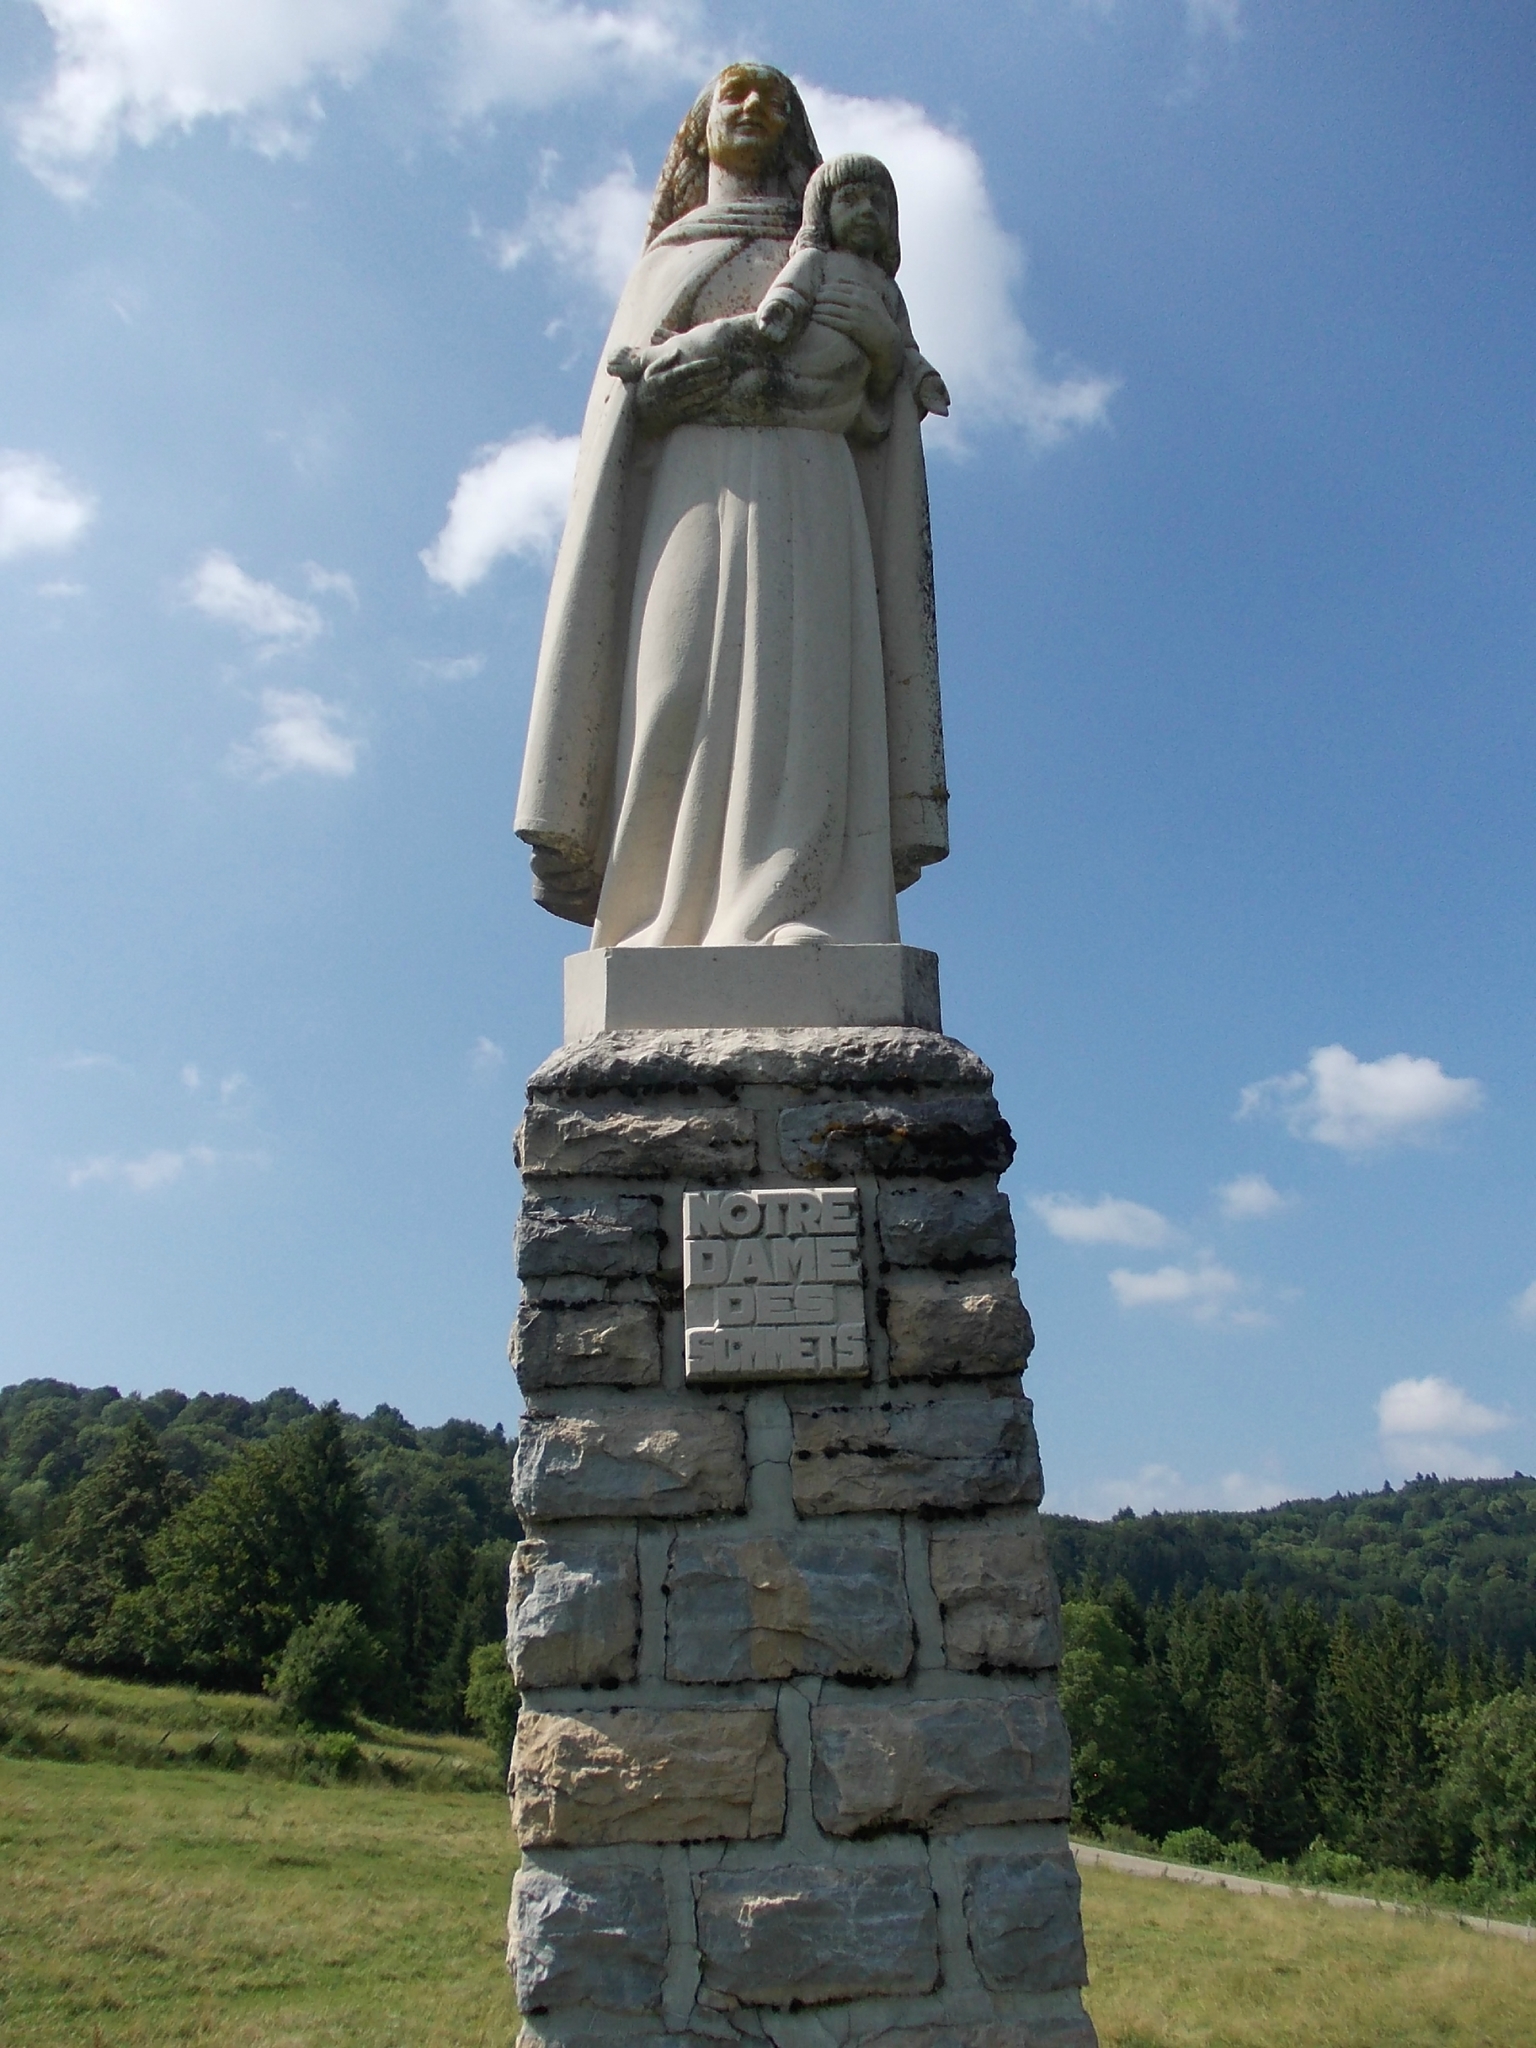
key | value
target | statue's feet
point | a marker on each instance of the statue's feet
(798, 935)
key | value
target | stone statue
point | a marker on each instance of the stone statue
(735, 736)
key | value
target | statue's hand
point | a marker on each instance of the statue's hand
(854, 310)
(669, 397)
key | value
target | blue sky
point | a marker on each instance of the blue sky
(1234, 532)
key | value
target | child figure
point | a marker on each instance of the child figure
(794, 356)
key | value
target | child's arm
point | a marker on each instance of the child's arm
(928, 387)
(787, 304)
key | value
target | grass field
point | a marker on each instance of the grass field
(191, 1904)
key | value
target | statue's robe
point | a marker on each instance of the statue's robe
(735, 732)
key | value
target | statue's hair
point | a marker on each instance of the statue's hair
(684, 180)
(837, 171)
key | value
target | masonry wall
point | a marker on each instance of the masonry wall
(790, 1765)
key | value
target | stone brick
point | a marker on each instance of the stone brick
(949, 1326)
(574, 1611)
(604, 1344)
(592, 1932)
(1049, 2030)
(945, 1140)
(772, 1606)
(808, 1934)
(867, 1059)
(948, 1226)
(1023, 1919)
(937, 1765)
(998, 1596)
(609, 1236)
(715, 1146)
(953, 1455)
(630, 1458)
(632, 1774)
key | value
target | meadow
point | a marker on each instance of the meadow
(159, 1907)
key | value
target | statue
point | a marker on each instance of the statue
(735, 737)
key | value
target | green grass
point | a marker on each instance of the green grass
(1187, 1966)
(60, 1715)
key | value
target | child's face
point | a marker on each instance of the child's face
(860, 218)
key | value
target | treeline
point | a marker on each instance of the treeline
(1459, 1556)
(180, 1538)
(1235, 1718)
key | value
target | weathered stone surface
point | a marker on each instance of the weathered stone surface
(946, 1140)
(1022, 1915)
(904, 1455)
(630, 1458)
(592, 1932)
(884, 1059)
(939, 1764)
(811, 1933)
(953, 1325)
(602, 1344)
(637, 1775)
(574, 1610)
(610, 1236)
(949, 1226)
(998, 1596)
(772, 1606)
(710, 1145)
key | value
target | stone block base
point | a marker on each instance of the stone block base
(649, 988)
(791, 1766)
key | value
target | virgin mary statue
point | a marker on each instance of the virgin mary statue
(735, 736)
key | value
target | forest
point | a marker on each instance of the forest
(1350, 1681)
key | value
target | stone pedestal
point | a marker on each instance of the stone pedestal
(650, 988)
(790, 1765)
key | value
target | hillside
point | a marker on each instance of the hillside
(1459, 1555)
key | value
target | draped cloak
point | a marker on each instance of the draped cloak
(580, 769)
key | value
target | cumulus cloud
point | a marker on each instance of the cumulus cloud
(511, 501)
(1106, 1221)
(535, 53)
(1431, 1425)
(330, 583)
(41, 511)
(298, 735)
(960, 272)
(1249, 1197)
(1359, 1105)
(1163, 1488)
(220, 589)
(90, 1062)
(1205, 1292)
(1523, 1308)
(595, 237)
(135, 70)
(451, 668)
(486, 1059)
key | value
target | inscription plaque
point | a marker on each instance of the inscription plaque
(773, 1285)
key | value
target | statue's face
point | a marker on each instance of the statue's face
(860, 218)
(747, 118)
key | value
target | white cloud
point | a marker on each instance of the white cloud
(61, 590)
(1106, 1221)
(960, 270)
(136, 69)
(451, 668)
(486, 1059)
(144, 1176)
(41, 511)
(1429, 1425)
(299, 734)
(88, 1062)
(1523, 1308)
(535, 53)
(511, 501)
(1206, 1293)
(191, 1078)
(1356, 1105)
(1158, 1487)
(330, 583)
(220, 589)
(596, 237)
(1249, 1197)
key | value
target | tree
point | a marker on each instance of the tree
(490, 1699)
(66, 1598)
(327, 1667)
(1488, 1788)
(285, 1528)
(1108, 1707)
